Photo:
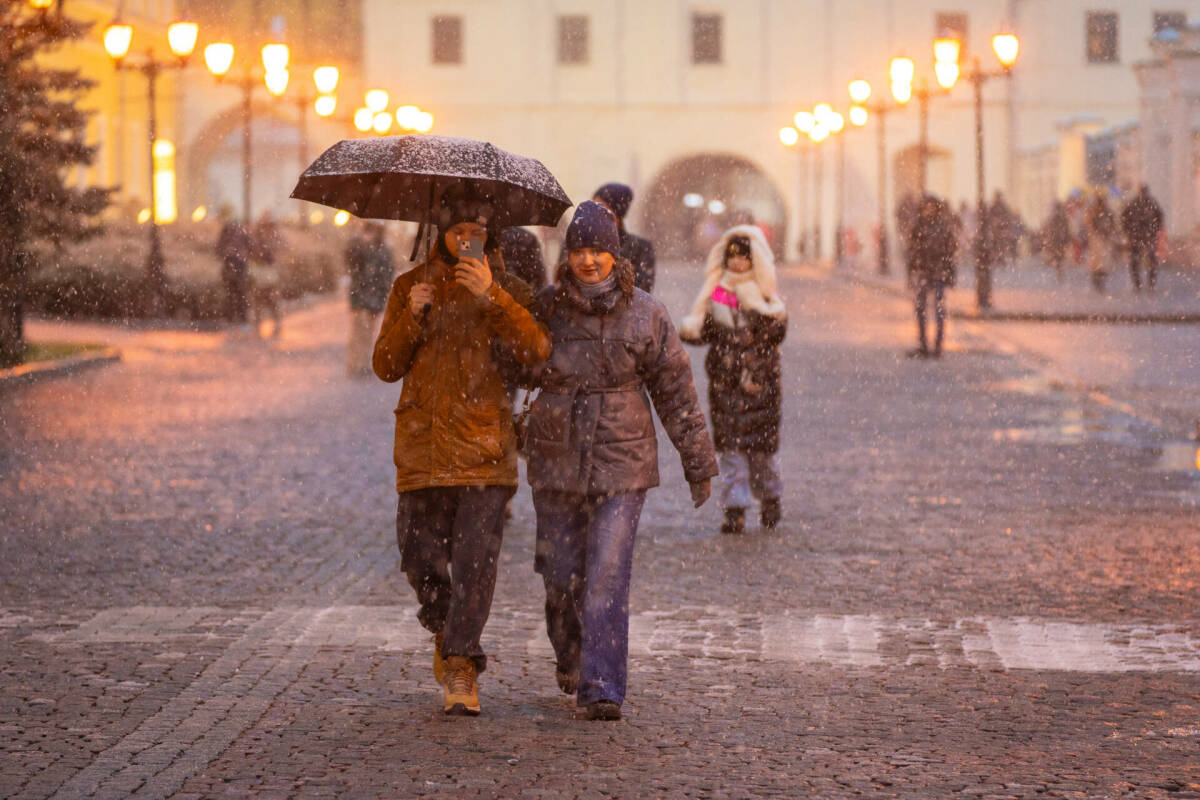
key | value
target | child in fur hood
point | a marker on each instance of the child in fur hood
(742, 319)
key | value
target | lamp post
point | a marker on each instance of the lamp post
(1005, 46)
(790, 137)
(860, 93)
(835, 123)
(181, 38)
(219, 58)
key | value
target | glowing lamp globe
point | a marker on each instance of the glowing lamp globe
(1006, 46)
(218, 57)
(181, 36)
(789, 136)
(860, 91)
(117, 39)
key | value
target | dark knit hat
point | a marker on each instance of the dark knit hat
(738, 246)
(616, 196)
(594, 226)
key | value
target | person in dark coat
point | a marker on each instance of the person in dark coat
(234, 245)
(1056, 237)
(372, 267)
(931, 267)
(593, 452)
(738, 313)
(639, 251)
(1101, 226)
(523, 256)
(1142, 220)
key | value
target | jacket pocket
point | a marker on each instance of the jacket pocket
(476, 436)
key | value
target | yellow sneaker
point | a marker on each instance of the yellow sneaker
(439, 663)
(460, 686)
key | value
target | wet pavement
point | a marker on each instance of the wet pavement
(985, 585)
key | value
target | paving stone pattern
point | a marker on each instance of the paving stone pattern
(199, 593)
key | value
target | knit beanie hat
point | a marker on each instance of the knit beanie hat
(616, 196)
(594, 226)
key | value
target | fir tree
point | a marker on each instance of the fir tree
(42, 137)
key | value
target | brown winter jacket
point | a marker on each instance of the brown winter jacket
(454, 422)
(591, 429)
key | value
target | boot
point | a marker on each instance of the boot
(439, 663)
(735, 520)
(567, 681)
(603, 710)
(771, 513)
(460, 686)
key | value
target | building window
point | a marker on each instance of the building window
(951, 23)
(1102, 37)
(447, 39)
(1169, 20)
(706, 38)
(572, 39)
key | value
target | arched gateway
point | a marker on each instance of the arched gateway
(693, 199)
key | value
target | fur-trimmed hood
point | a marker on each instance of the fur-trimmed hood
(756, 291)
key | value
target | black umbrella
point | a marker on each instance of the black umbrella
(405, 177)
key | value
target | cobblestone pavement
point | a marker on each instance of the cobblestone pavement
(985, 586)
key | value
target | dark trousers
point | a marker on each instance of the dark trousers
(449, 542)
(585, 558)
(938, 288)
(235, 276)
(1139, 252)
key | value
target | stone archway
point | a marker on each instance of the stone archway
(693, 199)
(214, 161)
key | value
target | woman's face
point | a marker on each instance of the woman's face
(463, 230)
(736, 262)
(590, 265)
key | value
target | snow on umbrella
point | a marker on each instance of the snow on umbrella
(403, 177)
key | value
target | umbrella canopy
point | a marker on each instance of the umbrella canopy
(405, 177)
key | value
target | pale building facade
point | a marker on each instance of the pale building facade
(630, 89)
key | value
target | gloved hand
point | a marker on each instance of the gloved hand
(701, 491)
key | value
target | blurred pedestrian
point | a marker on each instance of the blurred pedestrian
(523, 256)
(1142, 221)
(233, 249)
(455, 450)
(593, 451)
(740, 316)
(266, 243)
(1056, 238)
(931, 268)
(617, 197)
(1101, 228)
(372, 267)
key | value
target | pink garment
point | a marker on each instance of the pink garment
(725, 297)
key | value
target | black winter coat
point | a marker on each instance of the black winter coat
(744, 381)
(640, 252)
(590, 429)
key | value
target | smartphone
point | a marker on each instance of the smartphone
(471, 247)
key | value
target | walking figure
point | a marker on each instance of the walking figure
(740, 316)
(1056, 238)
(617, 197)
(372, 267)
(593, 452)
(233, 249)
(1142, 220)
(931, 268)
(455, 451)
(266, 242)
(1101, 228)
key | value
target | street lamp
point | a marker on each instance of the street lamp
(1005, 46)
(860, 91)
(181, 39)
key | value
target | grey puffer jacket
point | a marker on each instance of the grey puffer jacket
(590, 428)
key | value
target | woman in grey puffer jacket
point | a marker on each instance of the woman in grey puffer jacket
(593, 451)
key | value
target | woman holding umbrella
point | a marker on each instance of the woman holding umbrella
(455, 450)
(593, 452)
